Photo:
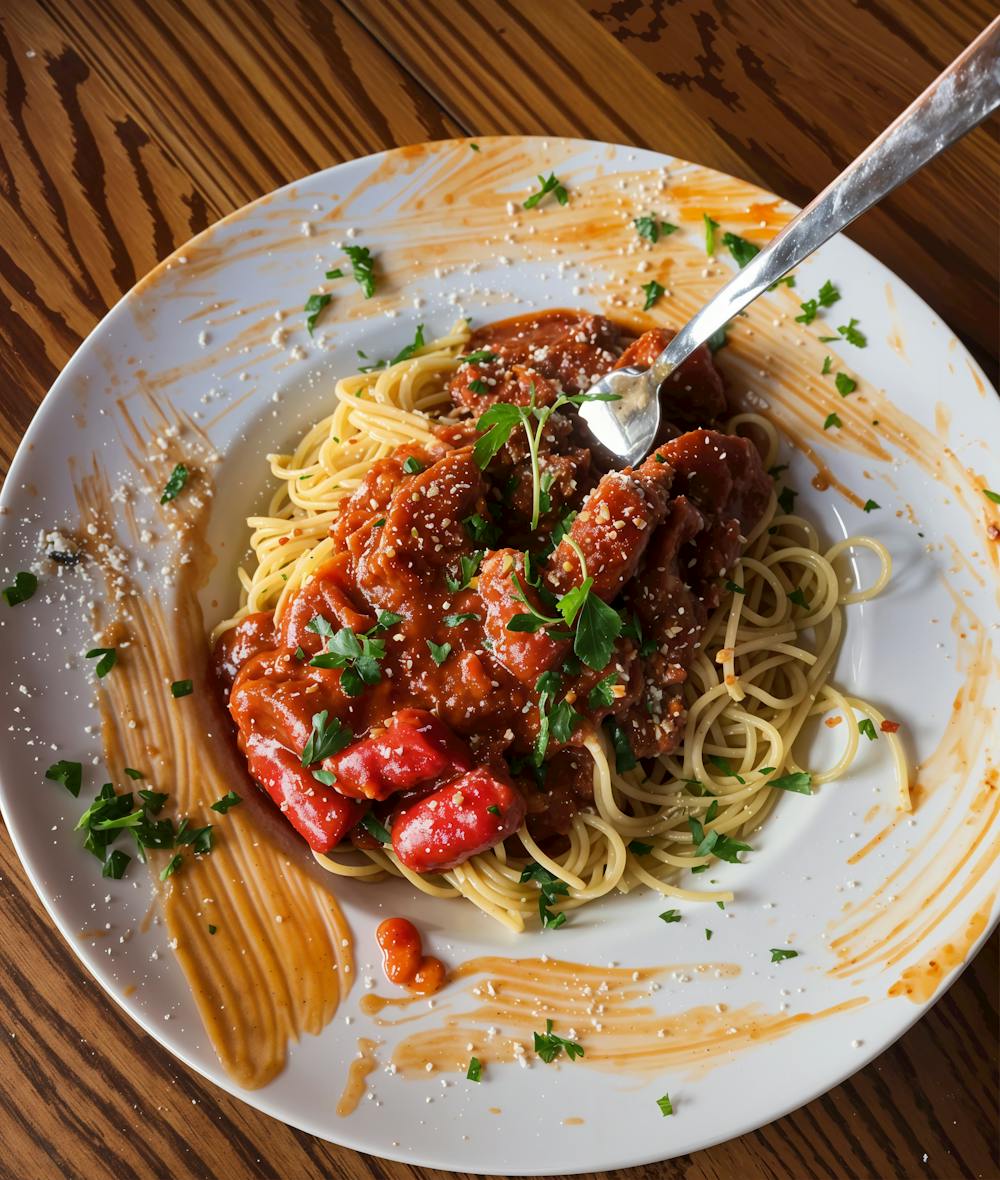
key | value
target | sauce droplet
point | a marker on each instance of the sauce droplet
(403, 958)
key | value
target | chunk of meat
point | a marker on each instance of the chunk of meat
(525, 654)
(371, 498)
(460, 819)
(476, 387)
(331, 595)
(693, 394)
(721, 474)
(253, 634)
(568, 347)
(613, 529)
(423, 530)
(321, 815)
(414, 748)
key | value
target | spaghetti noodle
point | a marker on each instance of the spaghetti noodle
(760, 674)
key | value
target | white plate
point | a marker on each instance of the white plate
(438, 219)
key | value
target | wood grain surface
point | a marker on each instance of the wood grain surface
(129, 125)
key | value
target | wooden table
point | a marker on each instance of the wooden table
(129, 125)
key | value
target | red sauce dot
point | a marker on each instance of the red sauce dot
(403, 958)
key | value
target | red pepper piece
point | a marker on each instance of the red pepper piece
(467, 815)
(321, 815)
(414, 748)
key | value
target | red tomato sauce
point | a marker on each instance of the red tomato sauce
(403, 958)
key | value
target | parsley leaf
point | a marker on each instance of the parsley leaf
(726, 767)
(548, 1045)
(742, 250)
(992, 496)
(181, 688)
(597, 628)
(133, 773)
(777, 954)
(325, 739)
(498, 422)
(116, 864)
(827, 365)
(174, 485)
(468, 568)
(230, 799)
(832, 420)
(363, 268)
(549, 184)
(852, 335)
(458, 620)
(412, 465)
(70, 774)
(734, 588)
(711, 225)
(652, 228)
(718, 339)
(800, 782)
(799, 598)
(870, 506)
(868, 729)
(439, 651)
(809, 309)
(475, 1073)
(314, 309)
(845, 384)
(665, 1105)
(786, 500)
(601, 696)
(106, 658)
(653, 291)
(171, 867)
(828, 294)
(336, 273)
(550, 887)
(625, 758)
(374, 828)
(639, 848)
(670, 916)
(25, 585)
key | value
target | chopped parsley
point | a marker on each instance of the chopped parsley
(994, 497)
(404, 354)
(726, 767)
(786, 500)
(742, 250)
(845, 384)
(800, 782)
(212, 929)
(548, 1045)
(474, 147)
(716, 341)
(653, 290)
(327, 738)
(784, 281)
(336, 273)
(652, 228)
(25, 585)
(230, 799)
(799, 598)
(478, 386)
(708, 934)
(133, 773)
(711, 225)
(116, 864)
(482, 531)
(171, 867)
(832, 420)
(827, 365)
(468, 569)
(439, 651)
(374, 828)
(493, 809)
(809, 309)
(70, 774)
(828, 294)
(867, 727)
(482, 356)
(601, 695)
(175, 484)
(106, 658)
(639, 848)
(550, 888)
(548, 184)
(458, 620)
(777, 954)
(313, 308)
(412, 465)
(670, 916)
(363, 268)
(475, 1073)
(357, 657)
(625, 758)
(665, 1105)
(713, 843)
(852, 335)
(182, 688)
(870, 506)
(734, 588)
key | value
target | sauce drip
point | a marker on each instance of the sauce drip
(403, 958)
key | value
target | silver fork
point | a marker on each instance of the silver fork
(958, 99)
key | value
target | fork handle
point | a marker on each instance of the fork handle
(955, 102)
